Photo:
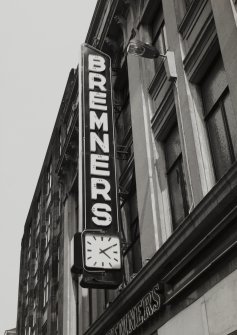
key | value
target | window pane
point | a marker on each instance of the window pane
(135, 236)
(175, 179)
(232, 122)
(213, 84)
(172, 147)
(161, 40)
(160, 43)
(219, 143)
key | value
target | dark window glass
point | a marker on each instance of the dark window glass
(219, 142)
(44, 329)
(220, 118)
(159, 37)
(175, 176)
(49, 178)
(231, 122)
(126, 171)
(46, 288)
(133, 250)
(47, 231)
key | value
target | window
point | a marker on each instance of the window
(47, 231)
(58, 259)
(221, 121)
(36, 257)
(60, 194)
(90, 302)
(159, 37)
(69, 121)
(44, 329)
(27, 330)
(60, 142)
(127, 185)
(132, 233)
(46, 287)
(175, 177)
(49, 178)
(123, 126)
(56, 319)
(34, 312)
(29, 241)
(27, 287)
(123, 117)
(38, 209)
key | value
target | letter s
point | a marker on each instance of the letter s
(101, 211)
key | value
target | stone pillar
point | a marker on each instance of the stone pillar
(144, 161)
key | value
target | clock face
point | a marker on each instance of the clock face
(102, 251)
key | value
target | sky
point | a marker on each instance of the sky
(39, 44)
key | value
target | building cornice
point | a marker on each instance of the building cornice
(92, 34)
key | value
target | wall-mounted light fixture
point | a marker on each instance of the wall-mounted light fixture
(141, 49)
(145, 50)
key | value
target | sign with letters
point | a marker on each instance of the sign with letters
(100, 237)
(139, 313)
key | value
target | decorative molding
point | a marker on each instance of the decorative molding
(191, 17)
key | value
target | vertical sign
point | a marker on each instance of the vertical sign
(100, 237)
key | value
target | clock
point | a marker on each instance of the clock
(102, 251)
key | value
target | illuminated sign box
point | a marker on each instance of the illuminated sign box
(100, 187)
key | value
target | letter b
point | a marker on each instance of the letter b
(96, 63)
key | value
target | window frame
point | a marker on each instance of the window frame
(159, 35)
(215, 80)
(48, 231)
(45, 287)
(49, 177)
(220, 103)
(177, 163)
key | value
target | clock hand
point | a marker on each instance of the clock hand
(103, 251)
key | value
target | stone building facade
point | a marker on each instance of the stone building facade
(176, 146)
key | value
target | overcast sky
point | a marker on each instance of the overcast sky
(39, 44)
